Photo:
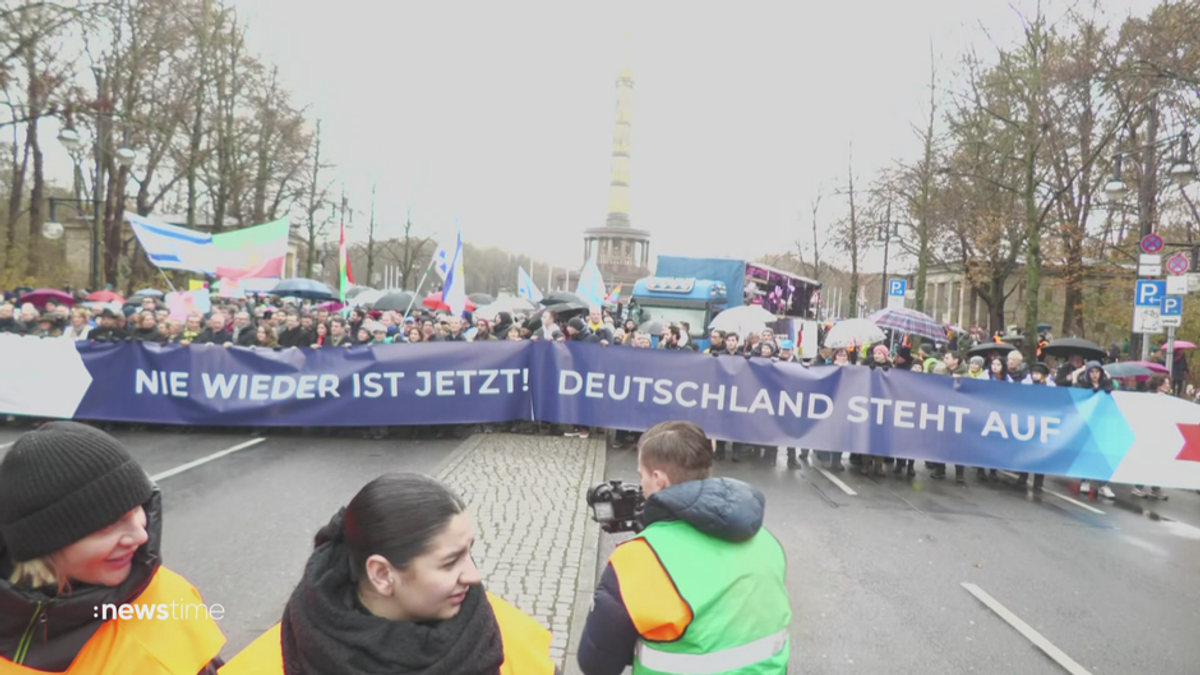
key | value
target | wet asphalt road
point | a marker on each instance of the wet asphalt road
(875, 578)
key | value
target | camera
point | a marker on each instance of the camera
(617, 506)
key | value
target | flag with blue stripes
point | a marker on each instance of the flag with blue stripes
(174, 248)
(454, 293)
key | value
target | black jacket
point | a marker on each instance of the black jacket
(209, 336)
(148, 335)
(246, 337)
(69, 621)
(721, 507)
(12, 325)
(109, 334)
(296, 337)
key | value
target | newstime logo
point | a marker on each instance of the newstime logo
(173, 611)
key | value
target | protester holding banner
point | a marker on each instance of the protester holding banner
(391, 587)
(80, 532)
(674, 599)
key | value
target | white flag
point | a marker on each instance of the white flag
(454, 293)
(526, 288)
(591, 285)
(443, 257)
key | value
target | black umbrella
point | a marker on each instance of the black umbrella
(559, 297)
(563, 310)
(985, 348)
(481, 299)
(1066, 347)
(397, 301)
(652, 327)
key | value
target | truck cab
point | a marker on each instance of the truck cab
(675, 299)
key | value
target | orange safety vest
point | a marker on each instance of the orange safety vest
(526, 647)
(147, 646)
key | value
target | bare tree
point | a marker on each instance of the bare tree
(849, 237)
(316, 203)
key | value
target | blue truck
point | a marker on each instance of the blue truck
(697, 289)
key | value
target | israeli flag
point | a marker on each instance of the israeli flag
(454, 293)
(591, 285)
(526, 288)
(443, 258)
(174, 248)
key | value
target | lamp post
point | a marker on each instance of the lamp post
(889, 235)
(71, 140)
(1182, 173)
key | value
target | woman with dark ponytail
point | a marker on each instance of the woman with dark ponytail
(391, 588)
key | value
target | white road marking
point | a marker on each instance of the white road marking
(829, 474)
(1076, 502)
(204, 460)
(1065, 498)
(1026, 630)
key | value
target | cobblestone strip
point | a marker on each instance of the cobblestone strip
(527, 498)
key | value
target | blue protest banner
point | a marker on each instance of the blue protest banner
(1124, 436)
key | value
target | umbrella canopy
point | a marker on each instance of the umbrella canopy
(365, 297)
(853, 333)
(954, 328)
(985, 348)
(909, 321)
(1150, 365)
(396, 301)
(652, 327)
(1044, 326)
(1127, 369)
(105, 296)
(481, 299)
(330, 306)
(742, 320)
(558, 297)
(303, 288)
(355, 290)
(434, 301)
(1065, 347)
(562, 310)
(1181, 344)
(512, 305)
(147, 293)
(40, 296)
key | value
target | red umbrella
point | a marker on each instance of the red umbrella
(434, 302)
(1179, 344)
(106, 296)
(39, 297)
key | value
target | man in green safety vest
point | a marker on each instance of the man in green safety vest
(701, 589)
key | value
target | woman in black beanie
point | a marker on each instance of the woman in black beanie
(391, 588)
(80, 529)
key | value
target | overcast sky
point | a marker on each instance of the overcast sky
(500, 114)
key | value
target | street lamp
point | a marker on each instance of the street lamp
(1116, 189)
(70, 139)
(1183, 171)
(124, 156)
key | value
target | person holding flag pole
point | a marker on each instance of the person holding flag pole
(441, 262)
(345, 274)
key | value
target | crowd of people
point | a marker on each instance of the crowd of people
(279, 323)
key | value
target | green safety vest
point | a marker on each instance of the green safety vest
(739, 603)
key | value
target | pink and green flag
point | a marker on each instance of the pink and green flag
(256, 252)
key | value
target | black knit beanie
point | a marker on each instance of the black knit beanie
(62, 482)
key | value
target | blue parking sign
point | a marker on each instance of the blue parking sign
(1172, 305)
(898, 287)
(1149, 292)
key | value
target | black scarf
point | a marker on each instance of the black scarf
(325, 632)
